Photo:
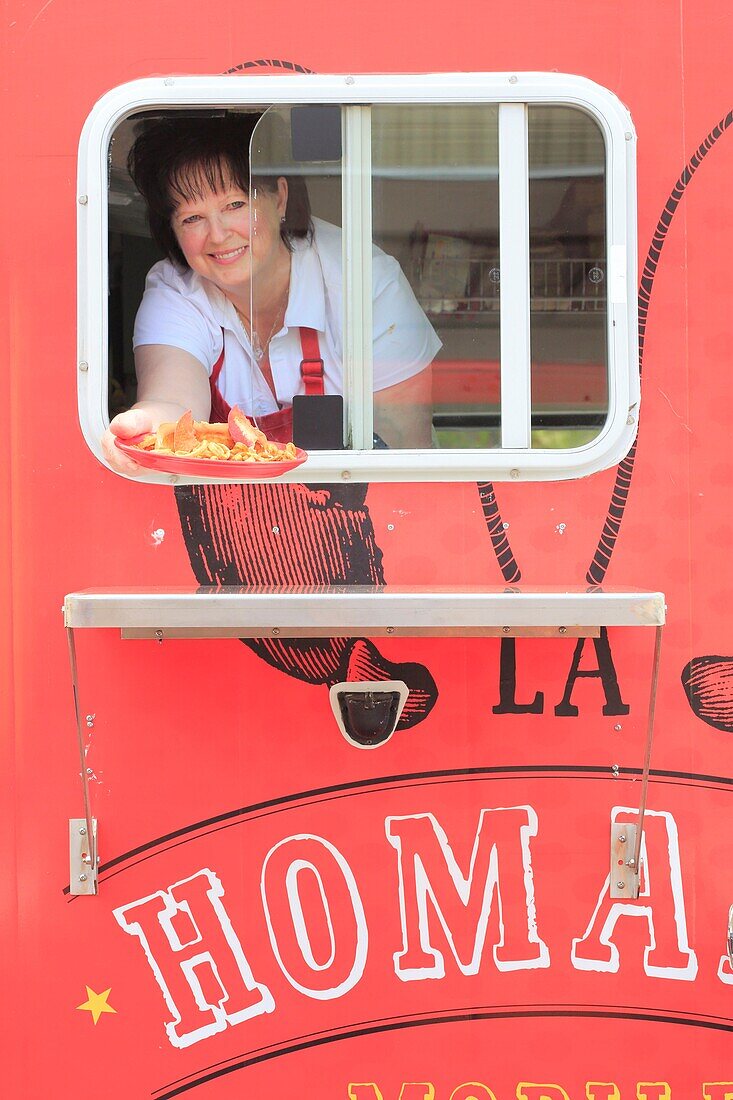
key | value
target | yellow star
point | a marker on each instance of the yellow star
(96, 1003)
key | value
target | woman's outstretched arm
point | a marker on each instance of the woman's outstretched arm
(169, 381)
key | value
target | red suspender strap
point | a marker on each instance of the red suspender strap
(216, 369)
(219, 407)
(311, 371)
(311, 367)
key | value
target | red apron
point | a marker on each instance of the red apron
(277, 426)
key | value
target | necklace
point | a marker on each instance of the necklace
(259, 349)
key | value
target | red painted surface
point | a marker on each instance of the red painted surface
(186, 732)
(478, 383)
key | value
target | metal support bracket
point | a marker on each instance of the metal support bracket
(620, 887)
(82, 830)
(82, 865)
(624, 869)
(730, 935)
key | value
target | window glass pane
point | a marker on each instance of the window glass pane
(296, 274)
(567, 185)
(436, 272)
(436, 213)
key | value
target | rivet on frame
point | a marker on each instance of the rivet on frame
(514, 474)
(349, 80)
(346, 475)
(83, 200)
(513, 79)
(83, 366)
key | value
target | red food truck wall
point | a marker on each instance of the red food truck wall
(216, 767)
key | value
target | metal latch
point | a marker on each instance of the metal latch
(624, 872)
(82, 856)
(367, 711)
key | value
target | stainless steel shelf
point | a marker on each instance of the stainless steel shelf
(288, 612)
(343, 610)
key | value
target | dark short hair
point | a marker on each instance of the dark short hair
(172, 155)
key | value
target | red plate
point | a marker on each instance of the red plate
(208, 467)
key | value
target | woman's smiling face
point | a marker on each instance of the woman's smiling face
(228, 237)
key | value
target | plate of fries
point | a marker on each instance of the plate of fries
(196, 448)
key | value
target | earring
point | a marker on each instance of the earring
(282, 220)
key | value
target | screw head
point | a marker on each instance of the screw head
(82, 831)
(276, 530)
(83, 200)
(276, 630)
(82, 878)
(622, 840)
(83, 366)
(390, 630)
(514, 474)
(349, 80)
(346, 475)
(90, 771)
(513, 79)
(631, 863)
(620, 885)
(562, 629)
(617, 727)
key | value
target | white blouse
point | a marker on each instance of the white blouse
(186, 311)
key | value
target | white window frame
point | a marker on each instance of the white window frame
(516, 460)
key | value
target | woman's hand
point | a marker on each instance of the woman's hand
(125, 426)
(170, 382)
